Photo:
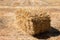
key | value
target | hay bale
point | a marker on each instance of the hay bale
(32, 21)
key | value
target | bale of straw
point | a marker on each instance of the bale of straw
(33, 21)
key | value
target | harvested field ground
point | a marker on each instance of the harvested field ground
(15, 33)
(29, 2)
(9, 29)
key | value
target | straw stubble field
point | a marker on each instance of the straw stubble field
(15, 24)
(29, 19)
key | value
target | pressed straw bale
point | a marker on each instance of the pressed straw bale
(33, 21)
